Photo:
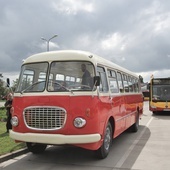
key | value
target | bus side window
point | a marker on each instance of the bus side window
(103, 79)
(136, 85)
(133, 84)
(120, 82)
(125, 82)
(113, 84)
(131, 89)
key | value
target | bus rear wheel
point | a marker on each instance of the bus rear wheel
(135, 126)
(155, 112)
(103, 151)
(36, 148)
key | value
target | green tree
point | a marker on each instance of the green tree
(2, 88)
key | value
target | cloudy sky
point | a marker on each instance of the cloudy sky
(131, 33)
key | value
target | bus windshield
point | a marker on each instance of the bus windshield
(58, 77)
(32, 77)
(161, 90)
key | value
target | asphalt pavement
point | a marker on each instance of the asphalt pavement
(12, 155)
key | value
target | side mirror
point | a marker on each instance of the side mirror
(96, 80)
(8, 82)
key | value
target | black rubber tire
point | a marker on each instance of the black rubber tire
(36, 148)
(135, 126)
(103, 151)
(155, 112)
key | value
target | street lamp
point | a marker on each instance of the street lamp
(48, 41)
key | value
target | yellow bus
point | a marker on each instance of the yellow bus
(159, 95)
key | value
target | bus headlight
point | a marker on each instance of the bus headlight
(79, 122)
(14, 121)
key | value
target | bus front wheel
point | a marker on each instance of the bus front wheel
(103, 151)
(36, 148)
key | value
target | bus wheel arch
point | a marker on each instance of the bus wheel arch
(103, 151)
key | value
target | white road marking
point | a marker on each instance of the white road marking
(11, 161)
(125, 156)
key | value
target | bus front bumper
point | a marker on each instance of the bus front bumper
(55, 138)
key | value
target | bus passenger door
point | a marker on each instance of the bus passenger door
(106, 102)
(121, 114)
(118, 110)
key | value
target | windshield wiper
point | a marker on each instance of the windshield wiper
(38, 82)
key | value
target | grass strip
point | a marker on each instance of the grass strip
(7, 145)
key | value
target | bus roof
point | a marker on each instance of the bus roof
(65, 55)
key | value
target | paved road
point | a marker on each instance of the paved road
(149, 149)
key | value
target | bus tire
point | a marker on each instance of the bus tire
(36, 148)
(135, 126)
(103, 151)
(154, 112)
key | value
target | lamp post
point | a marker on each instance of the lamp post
(48, 41)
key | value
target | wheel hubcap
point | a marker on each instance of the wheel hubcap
(107, 139)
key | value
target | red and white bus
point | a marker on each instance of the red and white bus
(58, 102)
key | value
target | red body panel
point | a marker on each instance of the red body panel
(96, 110)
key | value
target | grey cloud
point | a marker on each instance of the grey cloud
(143, 28)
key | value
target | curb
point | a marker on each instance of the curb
(12, 155)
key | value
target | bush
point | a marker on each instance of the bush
(2, 108)
(3, 114)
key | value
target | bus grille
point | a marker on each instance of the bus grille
(44, 118)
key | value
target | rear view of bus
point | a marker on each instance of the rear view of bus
(159, 95)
